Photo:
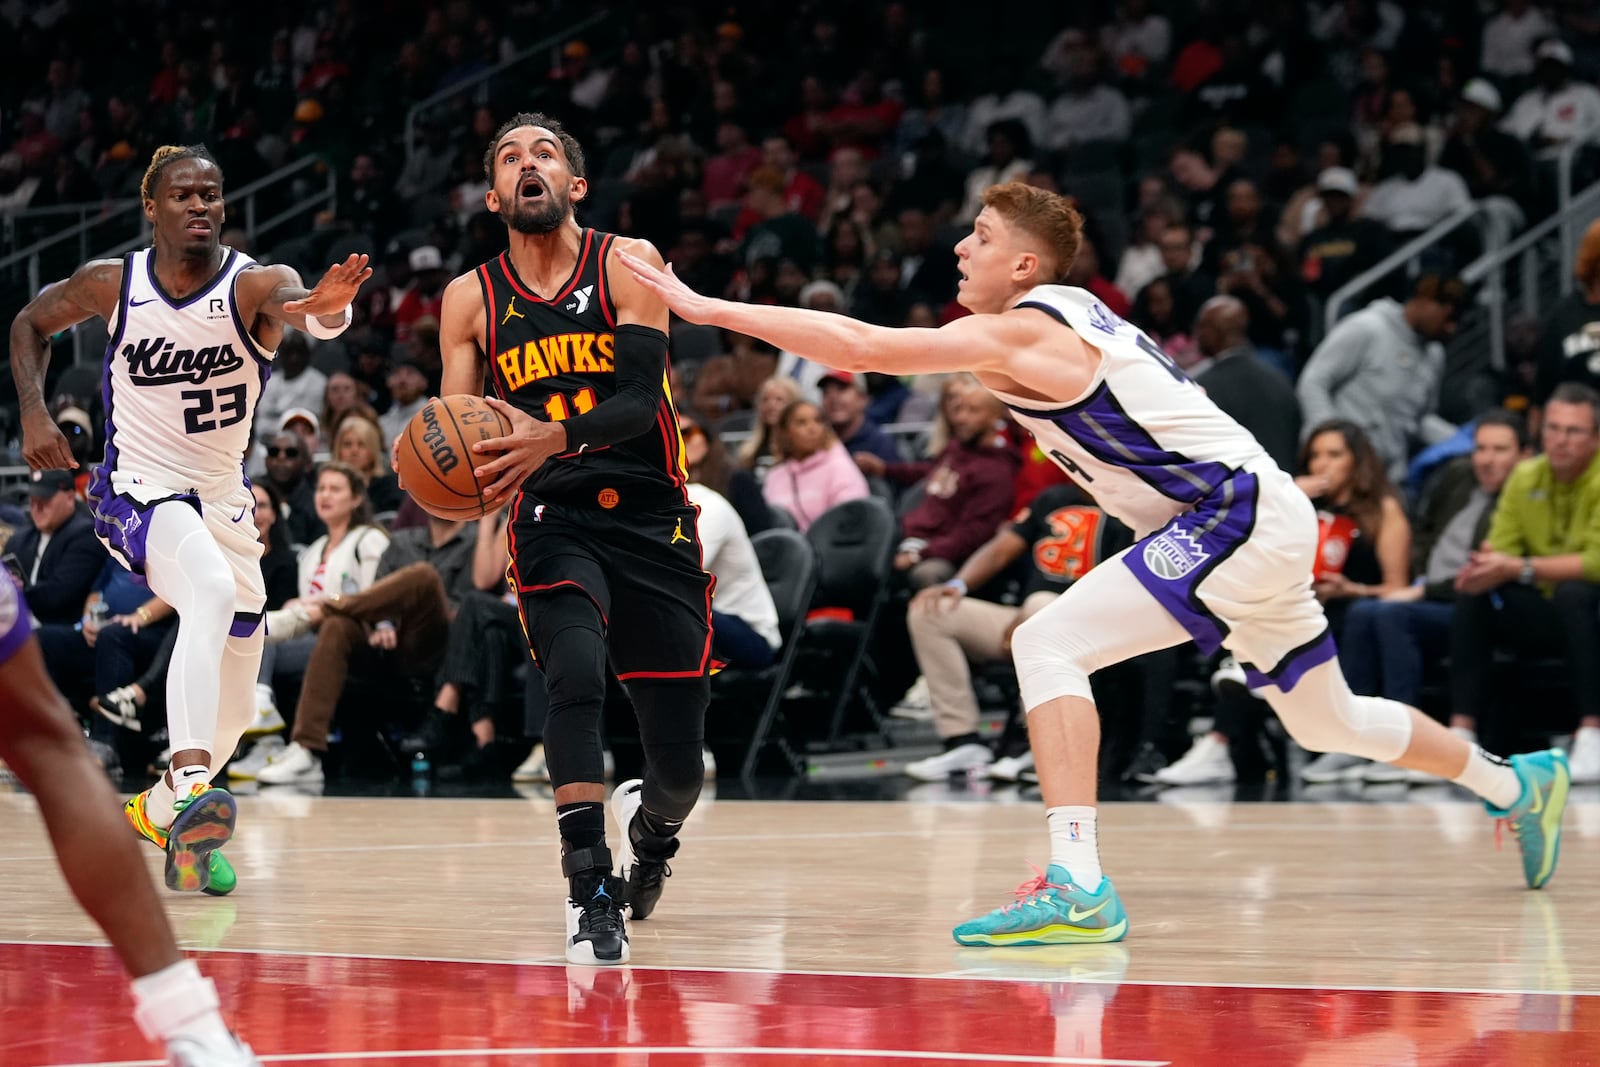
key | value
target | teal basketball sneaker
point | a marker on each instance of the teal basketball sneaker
(1050, 910)
(1536, 816)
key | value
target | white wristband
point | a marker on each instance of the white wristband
(323, 333)
(958, 585)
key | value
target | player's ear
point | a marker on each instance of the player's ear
(580, 189)
(1027, 266)
(150, 212)
(492, 201)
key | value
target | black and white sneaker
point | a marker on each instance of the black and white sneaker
(643, 859)
(597, 934)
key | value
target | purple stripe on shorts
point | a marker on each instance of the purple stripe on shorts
(1172, 562)
(1106, 431)
(1287, 674)
(18, 627)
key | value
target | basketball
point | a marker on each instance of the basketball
(435, 459)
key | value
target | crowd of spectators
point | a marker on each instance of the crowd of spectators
(1237, 164)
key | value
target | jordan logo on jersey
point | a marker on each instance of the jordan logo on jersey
(580, 300)
(511, 312)
(679, 535)
(158, 361)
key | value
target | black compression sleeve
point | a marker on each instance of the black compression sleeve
(641, 362)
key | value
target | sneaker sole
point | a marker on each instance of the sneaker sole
(582, 953)
(199, 830)
(1059, 934)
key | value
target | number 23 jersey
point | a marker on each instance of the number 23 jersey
(181, 383)
(556, 359)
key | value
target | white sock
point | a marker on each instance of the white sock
(158, 803)
(1073, 844)
(1491, 778)
(178, 1002)
(1466, 733)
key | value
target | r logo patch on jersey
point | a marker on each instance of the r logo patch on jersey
(1171, 554)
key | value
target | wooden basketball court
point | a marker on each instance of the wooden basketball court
(430, 930)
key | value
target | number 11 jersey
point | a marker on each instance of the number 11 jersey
(181, 383)
(556, 359)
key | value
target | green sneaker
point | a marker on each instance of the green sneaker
(1050, 910)
(1536, 816)
(223, 879)
(204, 824)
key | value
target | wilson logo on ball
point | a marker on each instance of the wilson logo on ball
(444, 457)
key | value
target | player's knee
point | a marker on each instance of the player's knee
(1051, 661)
(677, 774)
(1323, 715)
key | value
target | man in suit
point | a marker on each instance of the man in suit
(1256, 395)
(59, 556)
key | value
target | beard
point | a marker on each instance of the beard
(540, 217)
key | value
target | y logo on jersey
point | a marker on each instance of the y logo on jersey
(580, 300)
(1173, 553)
(157, 361)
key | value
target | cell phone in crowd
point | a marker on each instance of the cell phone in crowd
(14, 565)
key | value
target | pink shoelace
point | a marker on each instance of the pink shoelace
(1030, 890)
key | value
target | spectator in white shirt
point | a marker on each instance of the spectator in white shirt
(1557, 109)
(408, 386)
(744, 621)
(1023, 105)
(1415, 196)
(1137, 40)
(1010, 158)
(295, 383)
(1509, 37)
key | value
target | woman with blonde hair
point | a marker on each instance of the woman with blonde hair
(774, 397)
(359, 442)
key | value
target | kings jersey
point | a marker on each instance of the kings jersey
(556, 359)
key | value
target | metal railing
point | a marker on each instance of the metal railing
(478, 83)
(1492, 227)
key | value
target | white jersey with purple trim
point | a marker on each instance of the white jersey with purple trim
(1142, 439)
(182, 380)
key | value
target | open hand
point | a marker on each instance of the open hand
(383, 637)
(684, 301)
(521, 452)
(335, 291)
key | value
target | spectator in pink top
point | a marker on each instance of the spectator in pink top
(815, 473)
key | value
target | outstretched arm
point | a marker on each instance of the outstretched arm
(92, 290)
(978, 343)
(288, 300)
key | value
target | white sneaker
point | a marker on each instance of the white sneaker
(1584, 759)
(970, 757)
(184, 1052)
(710, 761)
(267, 720)
(260, 754)
(1011, 768)
(1207, 762)
(293, 765)
(1334, 767)
(1376, 773)
(533, 768)
(626, 800)
(916, 705)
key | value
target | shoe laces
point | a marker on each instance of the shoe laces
(646, 873)
(1033, 889)
(601, 911)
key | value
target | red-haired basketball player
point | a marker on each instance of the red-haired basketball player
(1224, 556)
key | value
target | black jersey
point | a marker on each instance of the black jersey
(555, 359)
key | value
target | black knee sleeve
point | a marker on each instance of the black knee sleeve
(569, 638)
(672, 727)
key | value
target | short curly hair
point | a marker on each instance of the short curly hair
(569, 143)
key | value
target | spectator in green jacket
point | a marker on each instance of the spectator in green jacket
(1532, 587)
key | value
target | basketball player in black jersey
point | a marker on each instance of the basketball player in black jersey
(605, 554)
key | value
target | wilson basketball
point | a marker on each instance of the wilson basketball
(435, 460)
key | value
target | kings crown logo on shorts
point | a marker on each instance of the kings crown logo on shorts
(1172, 554)
(158, 361)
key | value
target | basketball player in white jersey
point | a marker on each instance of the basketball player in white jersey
(41, 741)
(194, 326)
(1224, 556)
